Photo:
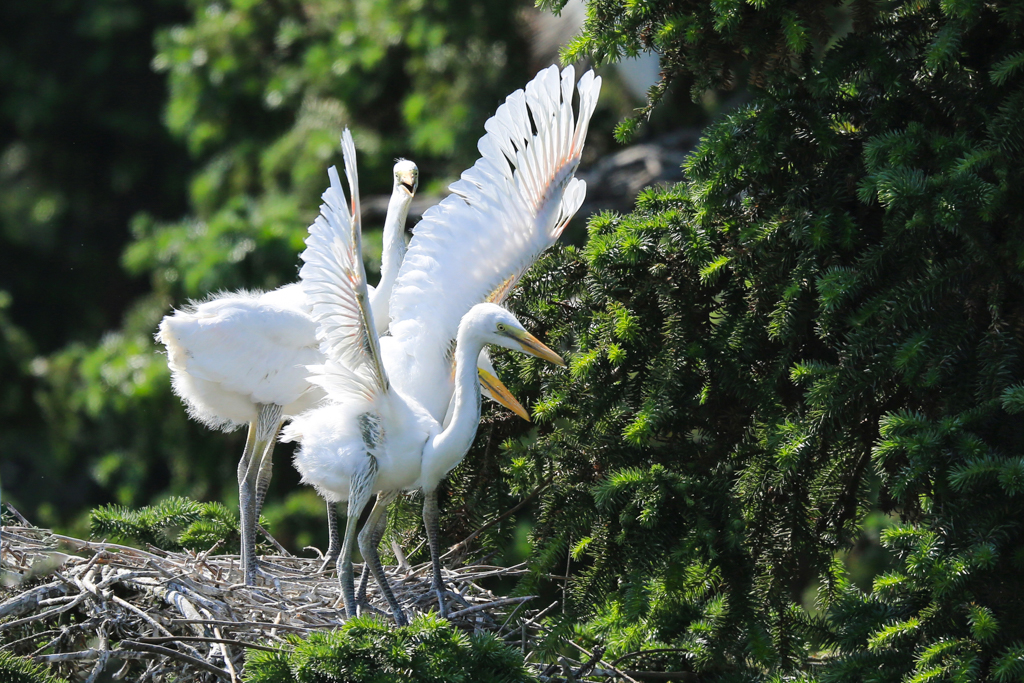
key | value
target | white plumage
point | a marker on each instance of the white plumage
(371, 438)
(237, 350)
(504, 212)
(240, 358)
(475, 245)
(471, 248)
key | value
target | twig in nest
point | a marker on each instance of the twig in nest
(589, 665)
(20, 517)
(159, 640)
(610, 666)
(134, 646)
(104, 654)
(227, 655)
(218, 622)
(169, 612)
(496, 603)
(30, 599)
(45, 615)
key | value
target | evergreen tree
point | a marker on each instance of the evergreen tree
(824, 319)
(172, 524)
(14, 669)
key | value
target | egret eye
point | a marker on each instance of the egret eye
(501, 327)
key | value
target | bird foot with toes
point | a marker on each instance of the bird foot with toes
(444, 598)
(330, 559)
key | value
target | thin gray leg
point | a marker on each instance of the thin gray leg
(334, 538)
(370, 556)
(253, 478)
(246, 505)
(364, 579)
(267, 427)
(430, 522)
(360, 490)
(378, 533)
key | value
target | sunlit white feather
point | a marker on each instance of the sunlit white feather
(239, 349)
(502, 214)
(334, 280)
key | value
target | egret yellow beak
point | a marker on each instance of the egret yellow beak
(501, 394)
(533, 346)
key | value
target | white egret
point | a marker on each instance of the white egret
(371, 438)
(240, 358)
(475, 245)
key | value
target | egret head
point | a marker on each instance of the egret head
(407, 176)
(497, 326)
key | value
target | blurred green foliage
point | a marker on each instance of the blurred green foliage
(82, 149)
(259, 93)
(210, 126)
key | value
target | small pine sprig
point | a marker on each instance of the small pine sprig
(367, 649)
(173, 524)
(14, 669)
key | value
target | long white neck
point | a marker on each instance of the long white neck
(446, 450)
(392, 257)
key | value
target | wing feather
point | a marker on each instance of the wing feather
(503, 212)
(334, 280)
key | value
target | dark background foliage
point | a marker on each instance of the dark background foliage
(157, 152)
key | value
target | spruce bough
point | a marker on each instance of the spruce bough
(824, 319)
(368, 650)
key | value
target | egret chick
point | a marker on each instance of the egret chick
(370, 438)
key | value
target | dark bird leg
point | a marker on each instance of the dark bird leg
(334, 537)
(378, 534)
(372, 559)
(360, 490)
(430, 522)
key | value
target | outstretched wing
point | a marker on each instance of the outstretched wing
(502, 214)
(334, 281)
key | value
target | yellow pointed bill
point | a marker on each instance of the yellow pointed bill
(533, 346)
(497, 391)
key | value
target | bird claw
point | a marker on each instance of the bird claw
(363, 606)
(443, 596)
(331, 558)
(327, 559)
(268, 579)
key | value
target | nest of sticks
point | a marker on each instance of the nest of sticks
(188, 616)
(88, 607)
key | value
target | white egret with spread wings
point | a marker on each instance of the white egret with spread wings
(372, 438)
(471, 248)
(474, 246)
